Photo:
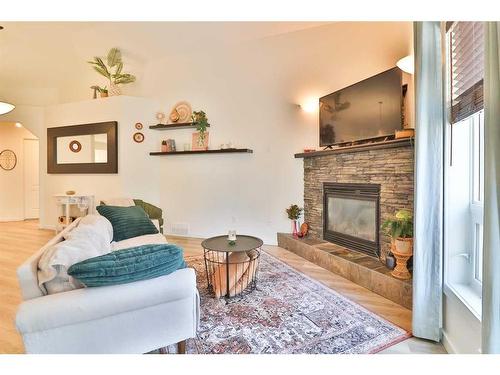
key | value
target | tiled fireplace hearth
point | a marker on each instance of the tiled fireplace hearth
(348, 193)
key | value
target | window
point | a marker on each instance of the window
(464, 180)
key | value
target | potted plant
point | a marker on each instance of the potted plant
(199, 119)
(294, 213)
(103, 91)
(400, 228)
(112, 70)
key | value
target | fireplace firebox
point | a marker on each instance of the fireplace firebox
(351, 216)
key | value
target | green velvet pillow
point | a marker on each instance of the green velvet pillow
(127, 222)
(129, 265)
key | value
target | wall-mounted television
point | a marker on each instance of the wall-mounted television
(367, 109)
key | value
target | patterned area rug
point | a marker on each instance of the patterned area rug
(287, 313)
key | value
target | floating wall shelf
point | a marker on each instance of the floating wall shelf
(179, 125)
(220, 151)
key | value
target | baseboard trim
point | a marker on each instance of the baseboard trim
(3, 219)
(450, 348)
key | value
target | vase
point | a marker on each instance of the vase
(404, 245)
(295, 231)
(114, 90)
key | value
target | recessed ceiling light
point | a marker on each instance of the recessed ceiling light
(19, 125)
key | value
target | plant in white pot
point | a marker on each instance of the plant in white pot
(400, 228)
(113, 71)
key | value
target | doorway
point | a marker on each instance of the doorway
(31, 179)
(19, 173)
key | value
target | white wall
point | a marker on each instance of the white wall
(12, 182)
(250, 94)
(138, 175)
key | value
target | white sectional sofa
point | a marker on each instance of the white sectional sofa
(136, 317)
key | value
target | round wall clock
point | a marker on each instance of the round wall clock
(75, 146)
(8, 160)
(138, 137)
(138, 126)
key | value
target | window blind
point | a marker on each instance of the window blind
(466, 68)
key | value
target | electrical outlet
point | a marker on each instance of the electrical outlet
(180, 228)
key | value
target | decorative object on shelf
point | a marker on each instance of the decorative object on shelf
(103, 92)
(70, 192)
(138, 137)
(199, 142)
(116, 77)
(164, 146)
(200, 139)
(138, 126)
(8, 160)
(96, 89)
(231, 235)
(309, 149)
(294, 213)
(181, 112)
(75, 146)
(160, 116)
(400, 228)
(171, 145)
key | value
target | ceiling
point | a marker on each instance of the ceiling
(47, 54)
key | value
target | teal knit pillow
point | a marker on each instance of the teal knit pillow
(129, 265)
(127, 222)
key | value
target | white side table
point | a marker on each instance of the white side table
(85, 204)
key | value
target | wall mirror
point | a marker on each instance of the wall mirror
(88, 148)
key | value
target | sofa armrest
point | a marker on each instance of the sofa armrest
(81, 305)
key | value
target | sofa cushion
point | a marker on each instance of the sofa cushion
(127, 222)
(147, 239)
(129, 265)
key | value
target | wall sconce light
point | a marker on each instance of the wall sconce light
(406, 64)
(310, 106)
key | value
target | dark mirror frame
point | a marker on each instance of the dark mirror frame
(110, 128)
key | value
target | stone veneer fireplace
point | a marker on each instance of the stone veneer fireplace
(382, 175)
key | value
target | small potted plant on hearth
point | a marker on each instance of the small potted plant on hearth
(294, 213)
(400, 228)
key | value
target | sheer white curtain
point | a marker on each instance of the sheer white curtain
(429, 144)
(491, 247)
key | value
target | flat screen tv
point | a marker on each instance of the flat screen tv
(364, 110)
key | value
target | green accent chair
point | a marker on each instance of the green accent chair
(154, 213)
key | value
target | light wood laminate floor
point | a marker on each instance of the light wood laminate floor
(19, 240)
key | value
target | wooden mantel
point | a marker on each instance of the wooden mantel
(359, 148)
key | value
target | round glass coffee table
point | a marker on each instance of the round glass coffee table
(231, 268)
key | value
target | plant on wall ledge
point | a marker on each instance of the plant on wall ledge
(113, 70)
(200, 119)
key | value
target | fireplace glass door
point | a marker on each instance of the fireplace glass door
(351, 216)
